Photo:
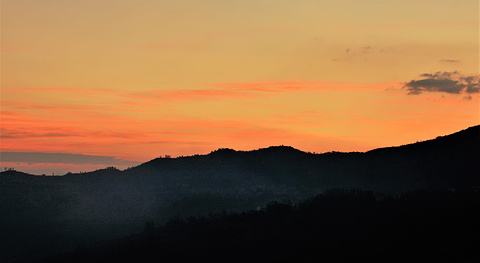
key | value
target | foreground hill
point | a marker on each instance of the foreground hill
(336, 226)
(47, 214)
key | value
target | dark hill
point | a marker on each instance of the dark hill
(465, 139)
(14, 174)
(61, 212)
(336, 226)
(444, 162)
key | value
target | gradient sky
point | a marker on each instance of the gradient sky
(87, 84)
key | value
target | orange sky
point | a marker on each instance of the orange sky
(125, 81)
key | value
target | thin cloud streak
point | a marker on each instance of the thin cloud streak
(214, 92)
(57, 132)
(74, 90)
(246, 90)
(62, 158)
(293, 86)
(193, 95)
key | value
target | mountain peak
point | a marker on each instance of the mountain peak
(222, 151)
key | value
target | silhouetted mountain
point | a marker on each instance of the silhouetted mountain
(444, 162)
(55, 213)
(13, 174)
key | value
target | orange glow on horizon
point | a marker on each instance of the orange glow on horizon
(140, 80)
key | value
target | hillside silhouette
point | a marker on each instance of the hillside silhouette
(447, 161)
(44, 215)
(336, 226)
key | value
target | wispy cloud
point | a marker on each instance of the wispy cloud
(361, 53)
(151, 97)
(192, 95)
(446, 82)
(449, 61)
(226, 91)
(248, 90)
(123, 82)
(96, 91)
(35, 105)
(291, 86)
(16, 133)
(266, 86)
(58, 132)
(65, 158)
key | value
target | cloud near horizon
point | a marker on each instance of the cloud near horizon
(446, 82)
(61, 158)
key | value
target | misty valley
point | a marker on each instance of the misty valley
(413, 202)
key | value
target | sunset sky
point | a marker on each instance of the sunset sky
(92, 83)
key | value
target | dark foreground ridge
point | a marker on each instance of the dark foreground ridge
(43, 215)
(337, 226)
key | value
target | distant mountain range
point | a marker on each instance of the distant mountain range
(75, 205)
(445, 162)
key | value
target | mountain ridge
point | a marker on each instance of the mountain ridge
(112, 203)
(467, 137)
(444, 162)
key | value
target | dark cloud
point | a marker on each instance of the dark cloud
(446, 82)
(66, 158)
